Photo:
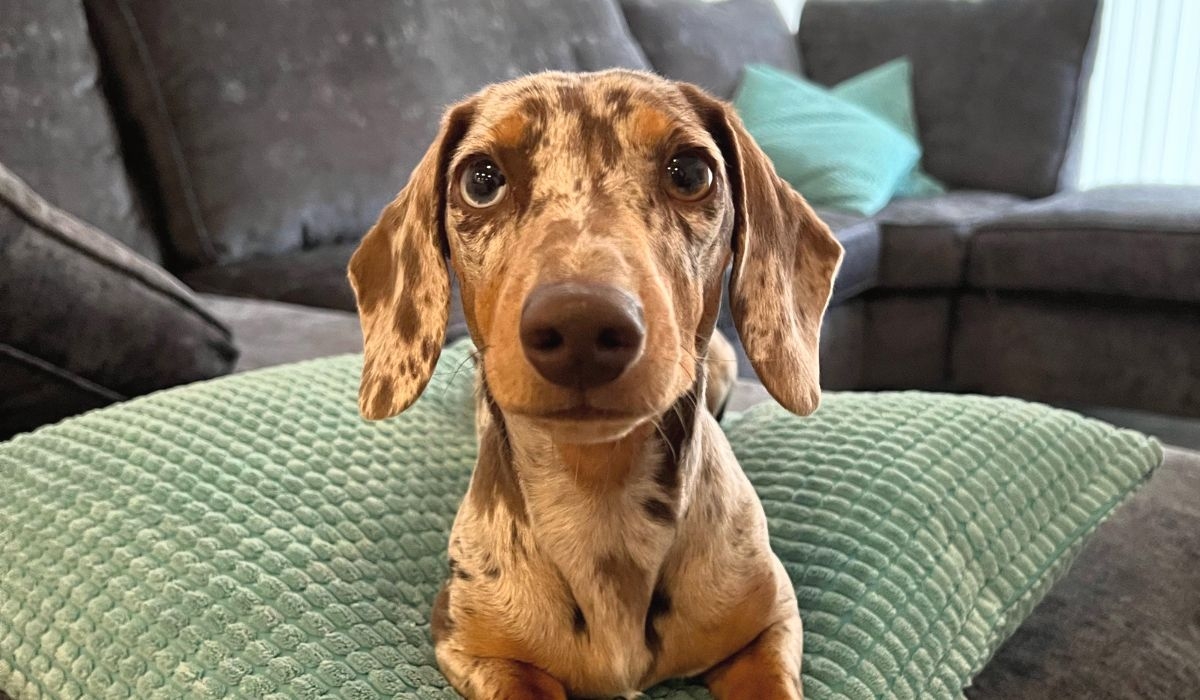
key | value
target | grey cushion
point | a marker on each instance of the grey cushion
(55, 129)
(1140, 355)
(310, 278)
(924, 241)
(274, 333)
(708, 43)
(280, 124)
(1141, 242)
(314, 277)
(996, 82)
(85, 321)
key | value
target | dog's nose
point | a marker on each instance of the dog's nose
(581, 334)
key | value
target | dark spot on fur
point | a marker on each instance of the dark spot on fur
(619, 100)
(372, 267)
(440, 621)
(578, 184)
(578, 621)
(678, 427)
(408, 320)
(492, 572)
(659, 511)
(624, 575)
(384, 391)
(458, 571)
(660, 605)
(495, 480)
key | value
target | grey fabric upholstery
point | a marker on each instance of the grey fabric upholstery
(709, 43)
(273, 333)
(1122, 624)
(1140, 242)
(85, 321)
(282, 124)
(996, 82)
(56, 132)
(906, 343)
(1134, 355)
(314, 278)
(924, 241)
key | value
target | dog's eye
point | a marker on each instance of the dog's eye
(482, 183)
(688, 176)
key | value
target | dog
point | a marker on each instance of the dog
(609, 539)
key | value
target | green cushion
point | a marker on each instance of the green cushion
(835, 153)
(252, 537)
(886, 92)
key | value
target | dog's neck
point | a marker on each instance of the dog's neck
(536, 476)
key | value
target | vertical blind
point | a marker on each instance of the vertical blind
(1141, 121)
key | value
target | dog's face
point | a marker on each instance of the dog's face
(589, 219)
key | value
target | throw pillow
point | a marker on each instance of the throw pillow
(84, 321)
(886, 91)
(835, 153)
(253, 537)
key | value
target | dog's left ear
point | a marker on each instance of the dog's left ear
(402, 284)
(784, 262)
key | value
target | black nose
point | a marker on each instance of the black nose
(581, 334)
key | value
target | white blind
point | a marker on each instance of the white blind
(1141, 123)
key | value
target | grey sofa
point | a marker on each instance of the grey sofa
(245, 147)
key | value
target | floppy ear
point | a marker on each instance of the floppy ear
(402, 284)
(784, 262)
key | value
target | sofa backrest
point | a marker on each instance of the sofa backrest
(997, 83)
(277, 125)
(56, 132)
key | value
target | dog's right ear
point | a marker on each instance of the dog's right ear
(784, 263)
(402, 284)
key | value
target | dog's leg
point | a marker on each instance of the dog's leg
(497, 679)
(767, 669)
(721, 365)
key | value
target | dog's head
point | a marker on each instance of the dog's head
(589, 219)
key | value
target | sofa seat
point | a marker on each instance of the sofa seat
(924, 240)
(1140, 242)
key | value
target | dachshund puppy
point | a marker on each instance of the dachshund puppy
(608, 540)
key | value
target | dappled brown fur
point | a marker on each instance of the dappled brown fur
(609, 539)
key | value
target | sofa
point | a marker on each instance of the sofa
(244, 148)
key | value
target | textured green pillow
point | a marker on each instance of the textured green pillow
(886, 92)
(252, 537)
(835, 153)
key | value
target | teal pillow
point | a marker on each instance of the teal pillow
(835, 153)
(253, 537)
(886, 92)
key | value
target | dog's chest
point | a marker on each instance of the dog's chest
(610, 554)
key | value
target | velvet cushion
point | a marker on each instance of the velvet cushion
(708, 43)
(277, 125)
(84, 321)
(253, 536)
(886, 92)
(56, 132)
(835, 153)
(997, 82)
